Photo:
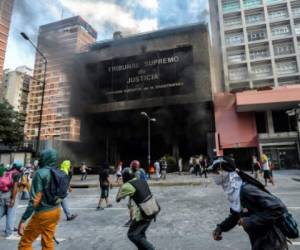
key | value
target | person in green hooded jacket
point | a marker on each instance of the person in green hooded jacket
(45, 216)
(66, 168)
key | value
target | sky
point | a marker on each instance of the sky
(106, 16)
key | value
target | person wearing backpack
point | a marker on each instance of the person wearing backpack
(251, 206)
(138, 190)
(66, 168)
(45, 214)
(9, 183)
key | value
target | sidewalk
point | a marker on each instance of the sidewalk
(173, 179)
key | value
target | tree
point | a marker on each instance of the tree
(11, 125)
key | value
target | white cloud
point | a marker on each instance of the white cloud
(149, 4)
(102, 13)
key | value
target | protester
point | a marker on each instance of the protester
(83, 170)
(179, 165)
(164, 167)
(197, 166)
(266, 169)
(45, 216)
(192, 165)
(138, 190)
(66, 168)
(256, 167)
(9, 180)
(204, 165)
(157, 169)
(104, 186)
(119, 172)
(251, 206)
(137, 170)
(26, 180)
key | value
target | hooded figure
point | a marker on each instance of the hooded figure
(44, 216)
(251, 206)
(66, 167)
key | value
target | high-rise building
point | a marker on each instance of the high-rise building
(257, 44)
(15, 87)
(6, 7)
(59, 42)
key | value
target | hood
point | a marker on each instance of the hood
(48, 158)
(65, 166)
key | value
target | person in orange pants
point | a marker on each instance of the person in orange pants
(45, 215)
(44, 224)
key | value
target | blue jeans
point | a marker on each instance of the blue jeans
(65, 207)
(10, 213)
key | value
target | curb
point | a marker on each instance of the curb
(151, 184)
(296, 179)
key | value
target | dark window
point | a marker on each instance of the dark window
(282, 122)
(261, 122)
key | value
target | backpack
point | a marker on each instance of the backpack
(58, 186)
(288, 226)
(6, 181)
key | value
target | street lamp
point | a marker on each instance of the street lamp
(149, 135)
(43, 88)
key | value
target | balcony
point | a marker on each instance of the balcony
(234, 38)
(278, 14)
(236, 58)
(256, 35)
(251, 3)
(238, 73)
(261, 70)
(232, 21)
(281, 49)
(286, 67)
(297, 29)
(230, 6)
(281, 31)
(296, 11)
(254, 18)
(275, 1)
(257, 53)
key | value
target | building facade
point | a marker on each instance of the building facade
(164, 73)
(59, 42)
(15, 87)
(6, 7)
(257, 42)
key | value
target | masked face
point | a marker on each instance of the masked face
(220, 178)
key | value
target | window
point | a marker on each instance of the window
(254, 18)
(297, 29)
(282, 122)
(230, 5)
(262, 70)
(235, 38)
(251, 3)
(236, 56)
(259, 52)
(277, 14)
(282, 30)
(286, 67)
(296, 11)
(255, 35)
(232, 21)
(283, 48)
(238, 73)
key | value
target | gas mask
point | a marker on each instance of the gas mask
(220, 178)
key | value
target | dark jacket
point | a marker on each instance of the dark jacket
(261, 212)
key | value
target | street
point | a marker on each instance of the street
(188, 216)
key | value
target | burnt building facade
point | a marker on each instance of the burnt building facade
(164, 73)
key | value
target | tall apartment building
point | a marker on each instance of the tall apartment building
(59, 42)
(6, 7)
(257, 42)
(15, 87)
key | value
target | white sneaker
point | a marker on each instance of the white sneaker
(12, 237)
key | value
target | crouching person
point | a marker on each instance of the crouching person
(147, 208)
(251, 206)
(45, 216)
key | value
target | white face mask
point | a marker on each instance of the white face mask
(220, 178)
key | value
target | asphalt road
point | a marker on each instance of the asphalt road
(188, 216)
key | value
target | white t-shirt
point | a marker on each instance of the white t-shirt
(265, 166)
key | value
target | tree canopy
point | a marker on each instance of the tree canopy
(11, 125)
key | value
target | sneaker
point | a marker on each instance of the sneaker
(109, 205)
(12, 237)
(127, 224)
(99, 208)
(72, 217)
